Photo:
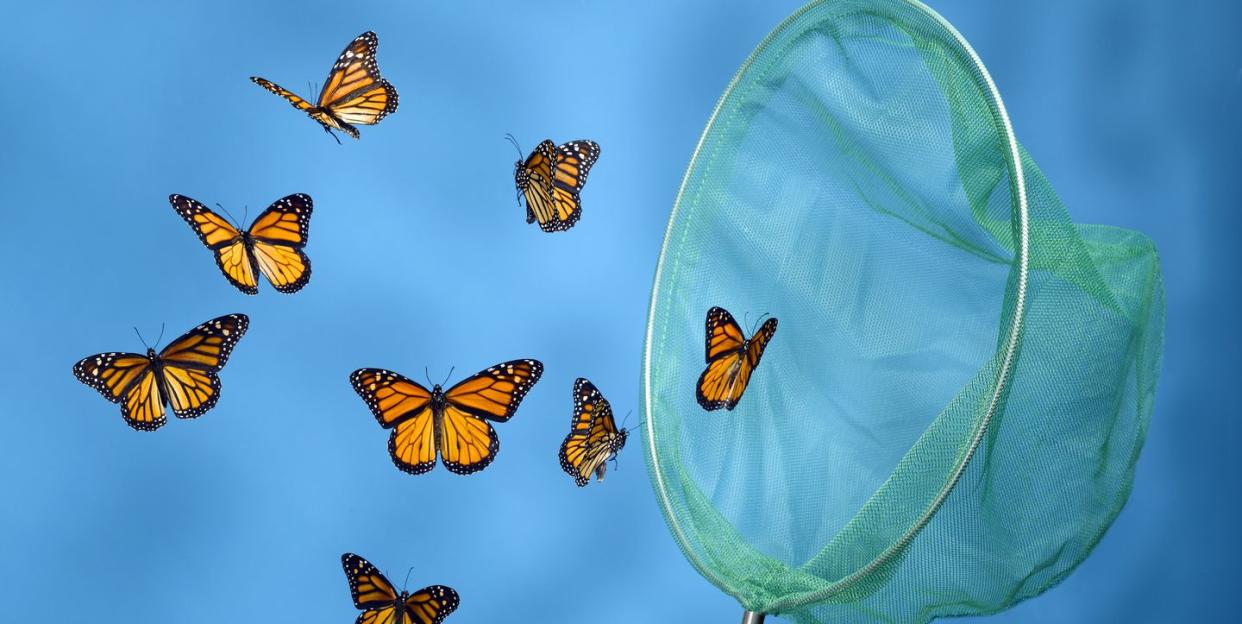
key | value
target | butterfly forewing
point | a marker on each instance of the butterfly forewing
(550, 180)
(431, 604)
(368, 587)
(495, 393)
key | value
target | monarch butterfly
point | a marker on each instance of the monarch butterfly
(593, 437)
(354, 92)
(551, 179)
(731, 358)
(453, 423)
(381, 604)
(183, 375)
(272, 246)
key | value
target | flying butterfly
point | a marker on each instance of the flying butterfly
(731, 359)
(381, 604)
(593, 436)
(272, 246)
(551, 179)
(354, 92)
(453, 423)
(181, 376)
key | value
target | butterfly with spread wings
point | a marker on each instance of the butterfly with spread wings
(272, 246)
(452, 423)
(182, 376)
(731, 359)
(593, 436)
(354, 92)
(381, 604)
(551, 179)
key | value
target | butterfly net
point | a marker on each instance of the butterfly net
(948, 417)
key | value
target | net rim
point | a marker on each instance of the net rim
(1019, 197)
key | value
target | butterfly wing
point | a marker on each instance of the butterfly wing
(430, 605)
(278, 236)
(188, 365)
(324, 119)
(398, 402)
(224, 241)
(534, 179)
(354, 91)
(125, 378)
(759, 342)
(467, 443)
(371, 591)
(724, 335)
(573, 162)
(593, 435)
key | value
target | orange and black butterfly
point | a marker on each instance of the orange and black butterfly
(593, 436)
(453, 423)
(731, 359)
(381, 604)
(182, 376)
(354, 92)
(272, 246)
(551, 179)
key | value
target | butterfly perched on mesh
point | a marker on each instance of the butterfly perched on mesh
(182, 375)
(453, 423)
(551, 179)
(593, 436)
(731, 359)
(272, 246)
(381, 604)
(354, 92)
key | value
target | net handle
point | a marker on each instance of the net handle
(750, 617)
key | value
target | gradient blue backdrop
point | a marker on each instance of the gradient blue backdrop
(422, 257)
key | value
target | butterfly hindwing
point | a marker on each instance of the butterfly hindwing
(731, 359)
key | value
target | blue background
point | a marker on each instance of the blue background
(422, 257)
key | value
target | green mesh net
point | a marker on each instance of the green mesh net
(948, 418)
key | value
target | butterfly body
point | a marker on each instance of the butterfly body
(272, 246)
(551, 179)
(593, 438)
(182, 376)
(452, 424)
(354, 92)
(731, 359)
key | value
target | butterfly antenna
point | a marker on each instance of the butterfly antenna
(515, 144)
(427, 374)
(757, 322)
(144, 342)
(157, 340)
(450, 375)
(237, 224)
(407, 579)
